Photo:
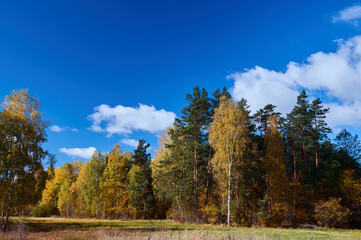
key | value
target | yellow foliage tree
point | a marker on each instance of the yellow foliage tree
(228, 135)
(114, 186)
(160, 154)
(77, 192)
(351, 187)
(274, 164)
(52, 187)
(66, 198)
(22, 133)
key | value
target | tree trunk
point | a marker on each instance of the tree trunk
(288, 212)
(96, 209)
(229, 196)
(7, 218)
(303, 146)
(117, 211)
(67, 208)
(208, 177)
(81, 205)
(195, 176)
(7, 211)
(2, 211)
(7, 214)
(294, 182)
(269, 195)
(103, 209)
(238, 205)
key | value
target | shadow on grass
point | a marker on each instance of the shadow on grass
(48, 227)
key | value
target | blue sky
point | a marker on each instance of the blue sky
(111, 72)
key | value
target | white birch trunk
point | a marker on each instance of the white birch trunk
(229, 196)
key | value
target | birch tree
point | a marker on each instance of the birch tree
(114, 185)
(22, 133)
(228, 136)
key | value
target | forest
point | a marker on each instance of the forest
(219, 163)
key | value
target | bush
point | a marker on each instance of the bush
(276, 216)
(44, 210)
(332, 213)
(212, 213)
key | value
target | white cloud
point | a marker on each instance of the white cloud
(56, 128)
(124, 120)
(130, 142)
(345, 114)
(261, 86)
(85, 153)
(337, 74)
(351, 15)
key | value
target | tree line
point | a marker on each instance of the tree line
(114, 185)
(219, 163)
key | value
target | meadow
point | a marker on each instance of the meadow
(72, 229)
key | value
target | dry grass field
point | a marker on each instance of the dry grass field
(82, 229)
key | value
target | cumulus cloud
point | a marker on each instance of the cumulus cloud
(125, 120)
(345, 114)
(351, 15)
(261, 86)
(130, 142)
(56, 128)
(336, 74)
(85, 153)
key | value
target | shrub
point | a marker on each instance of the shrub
(332, 213)
(44, 210)
(212, 213)
(274, 216)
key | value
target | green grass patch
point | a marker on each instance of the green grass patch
(168, 229)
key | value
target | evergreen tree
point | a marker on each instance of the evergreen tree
(319, 126)
(299, 139)
(167, 178)
(140, 182)
(262, 116)
(217, 98)
(178, 174)
(350, 146)
(196, 117)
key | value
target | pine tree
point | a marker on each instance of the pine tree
(319, 126)
(165, 181)
(261, 117)
(196, 118)
(178, 171)
(140, 182)
(300, 143)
